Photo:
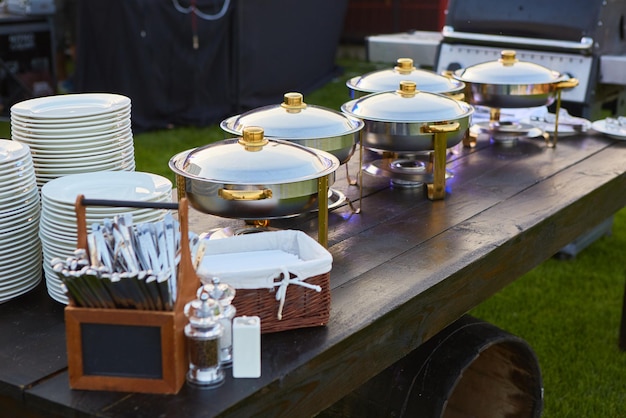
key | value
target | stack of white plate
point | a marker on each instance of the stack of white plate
(57, 227)
(75, 133)
(20, 248)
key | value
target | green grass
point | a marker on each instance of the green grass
(568, 310)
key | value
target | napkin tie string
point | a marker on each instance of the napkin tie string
(282, 288)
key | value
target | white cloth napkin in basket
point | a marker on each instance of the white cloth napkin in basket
(265, 260)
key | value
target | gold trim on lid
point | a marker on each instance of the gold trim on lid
(253, 138)
(293, 102)
(405, 66)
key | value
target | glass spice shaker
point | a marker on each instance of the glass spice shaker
(224, 294)
(203, 333)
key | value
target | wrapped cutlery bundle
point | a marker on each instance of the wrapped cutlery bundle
(127, 287)
(128, 265)
(283, 277)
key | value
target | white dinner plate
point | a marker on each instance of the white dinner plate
(25, 287)
(76, 134)
(78, 152)
(19, 245)
(18, 231)
(17, 183)
(11, 151)
(600, 126)
(23, 203)
(122, 114)
(71, 105)
(115, 185)
(113, 154)
(71, 123)
(70, 139)
(60, 230)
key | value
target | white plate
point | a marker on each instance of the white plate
(71, 105)
(11, 226)
(117, 185)
(79, 149)
(56, 134)
(18, 231)
(19, 267)
(17, 165)
(23, 201)
(25, 288)
(53, 229)
(11, 151)
(14, 165)
(22, 279)
(111, 155)
(85, 161)
(17, 185)
(71, 123)
(69, 139)
(56, 294)
(67, 217)
(28, 280)
(600, 126)
(17, 171)
(53, 170)
(122, 114)
(19, 248)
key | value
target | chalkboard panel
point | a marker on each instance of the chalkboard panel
(122, 350)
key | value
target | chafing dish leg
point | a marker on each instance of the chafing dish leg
(437, 189)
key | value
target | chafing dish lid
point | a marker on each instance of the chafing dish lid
(407, 104)
(389, 79)
(294, 119)
(508, 70)
(254, 159)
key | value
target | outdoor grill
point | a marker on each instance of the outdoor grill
(581, 38)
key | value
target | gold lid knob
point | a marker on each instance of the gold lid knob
(508, 57)
(293, 102)
(405, 65)
(253, 138)
(408, 89)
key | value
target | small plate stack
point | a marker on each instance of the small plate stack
(57, 227)
(20, 248)
(75, 133)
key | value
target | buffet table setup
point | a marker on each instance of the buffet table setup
(403, 269)
(265, 281)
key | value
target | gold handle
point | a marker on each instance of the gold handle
(567, 84)
(244, 194)
(442, 128)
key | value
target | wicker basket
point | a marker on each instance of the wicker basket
(302, 306)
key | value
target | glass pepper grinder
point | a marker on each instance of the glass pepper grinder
(203, 333)
(224, 294)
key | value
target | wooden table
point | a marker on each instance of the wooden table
(403, 269)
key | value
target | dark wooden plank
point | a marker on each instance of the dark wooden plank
(32, 343)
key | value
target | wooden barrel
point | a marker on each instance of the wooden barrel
(470, 369)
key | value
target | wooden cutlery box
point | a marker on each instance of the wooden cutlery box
(131, 350)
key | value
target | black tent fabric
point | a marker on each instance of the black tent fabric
(253, 54)
(291, 48)
(143, 49)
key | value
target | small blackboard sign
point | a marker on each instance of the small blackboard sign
(126, 350)
(122, 350)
